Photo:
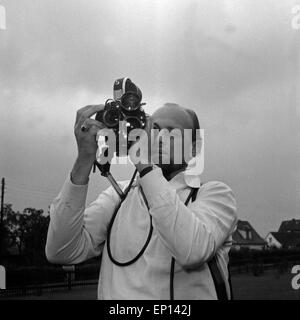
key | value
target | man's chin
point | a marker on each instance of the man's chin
(161, 160)
(164, 162)
(169, 167)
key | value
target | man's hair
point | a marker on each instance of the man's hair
(193, 116)
(196, 125)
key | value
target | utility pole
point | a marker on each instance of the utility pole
(2, 200)
(2, 215)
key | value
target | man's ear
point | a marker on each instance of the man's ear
(196, 147)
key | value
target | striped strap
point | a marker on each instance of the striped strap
(218, 279)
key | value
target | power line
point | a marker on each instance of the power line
(11, 194)
(2, 214)
(14, 192)
(2, 201)
(15, 188)
(14, 182)
(23, 200)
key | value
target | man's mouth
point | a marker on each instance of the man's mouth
(160, 149)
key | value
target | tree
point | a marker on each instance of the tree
(6, 239)
(28, 232)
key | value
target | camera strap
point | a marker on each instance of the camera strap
(105, 172)
(216, 274)
(127, 263)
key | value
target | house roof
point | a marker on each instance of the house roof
(245, 234)
(290, 226)
(287, 239)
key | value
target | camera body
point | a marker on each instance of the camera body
(123, 113)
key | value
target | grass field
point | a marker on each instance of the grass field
(268, 286)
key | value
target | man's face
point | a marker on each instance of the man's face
(168, 139)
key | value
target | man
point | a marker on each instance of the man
(157, 247)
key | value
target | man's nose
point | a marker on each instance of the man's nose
(157, 142)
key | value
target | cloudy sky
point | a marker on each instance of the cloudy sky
(236, 63)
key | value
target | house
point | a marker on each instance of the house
(292, 226)
(287, 236)
(283, 240)
(245, 236)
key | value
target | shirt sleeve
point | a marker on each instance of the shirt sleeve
(76, 233)
(194, 234)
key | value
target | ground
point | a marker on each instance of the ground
(270, 286)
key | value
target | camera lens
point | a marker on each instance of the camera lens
(133, 123)
(111, 116)
(130, 101)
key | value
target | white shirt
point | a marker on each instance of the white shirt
(192, 235)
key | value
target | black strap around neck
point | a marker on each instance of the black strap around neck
(216, 274)
(192, 195)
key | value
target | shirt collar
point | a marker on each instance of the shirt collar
(191, 176)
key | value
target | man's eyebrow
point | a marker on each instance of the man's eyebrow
(156, 125)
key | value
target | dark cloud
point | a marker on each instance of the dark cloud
(234, 63)
(61, 44)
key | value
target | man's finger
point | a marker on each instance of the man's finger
(93, 130)
(149, 124)
(80, 112)
(86, 112)
(92, 110)
(88, 123)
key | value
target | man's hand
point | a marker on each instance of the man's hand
(140, 148)
(85, 130)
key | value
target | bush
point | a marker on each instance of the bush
(274, 256)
